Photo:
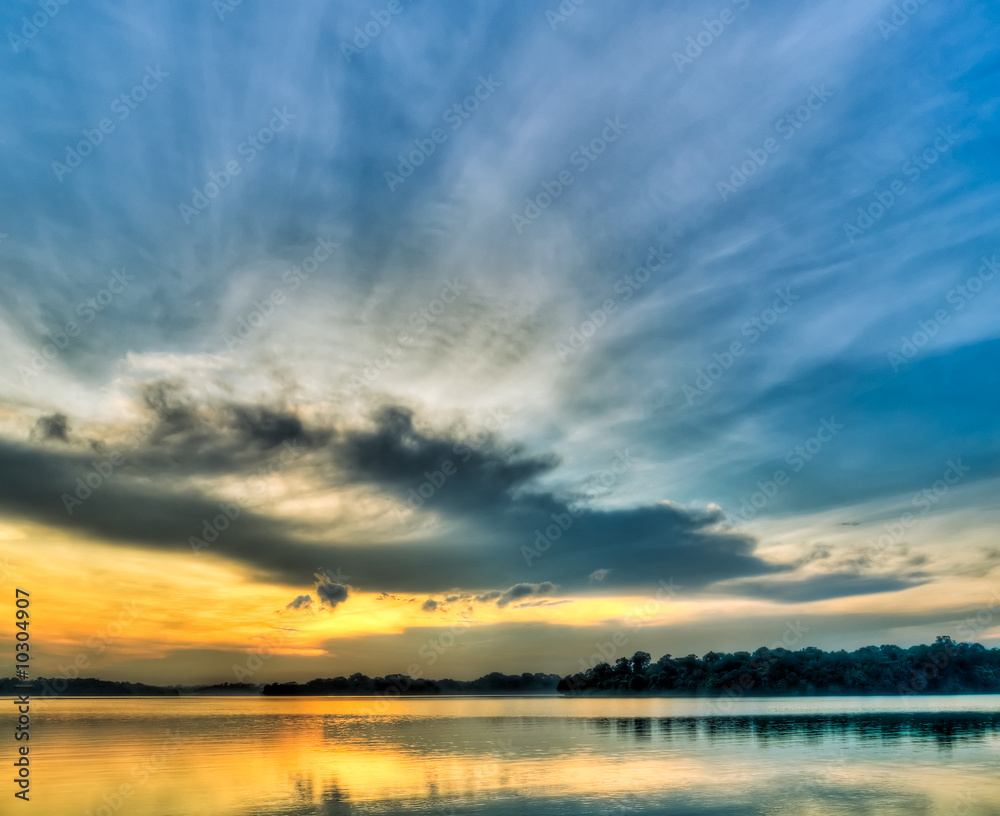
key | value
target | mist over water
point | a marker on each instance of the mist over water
(326, 756)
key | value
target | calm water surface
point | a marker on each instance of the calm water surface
(285, 756)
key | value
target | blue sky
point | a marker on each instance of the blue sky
(815, 186)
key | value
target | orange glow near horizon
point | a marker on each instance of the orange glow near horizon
(118, 604)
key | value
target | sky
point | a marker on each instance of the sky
(447, 338)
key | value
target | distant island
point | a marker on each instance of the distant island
(92, 687)
(944, 667)
(357, 685)
(396, 684)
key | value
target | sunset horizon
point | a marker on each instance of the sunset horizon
(477, 339)
(465, 386)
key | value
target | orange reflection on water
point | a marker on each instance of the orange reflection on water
(154, 757)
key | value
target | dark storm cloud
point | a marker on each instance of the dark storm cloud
(331, 594)
(519, 591)
(95, 495)
(506, 597)
(181, 421)
(486, 542)
(499, 525)
(824, 587)
(267, 427)
(55, 427)
(524, 531)
(397, 455)
(174, 413)
(185, 437)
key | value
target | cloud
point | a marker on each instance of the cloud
(268, 428)
(519, 591)
(824, 587)
(395, 454)
(494, 511)
(191, 435)
(302, 601)
(488, 597)
(55, 426)
(494, 499)
(430, 605)
(330, 593)
(599, 575)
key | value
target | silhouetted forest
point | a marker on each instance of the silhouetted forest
(945, 667)
(83, 687)
(360, 684)
(356, 684)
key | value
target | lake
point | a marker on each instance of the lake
(332, 756)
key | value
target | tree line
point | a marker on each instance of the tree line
(944, 667)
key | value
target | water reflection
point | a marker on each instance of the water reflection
(319, 757)
(942, 728)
